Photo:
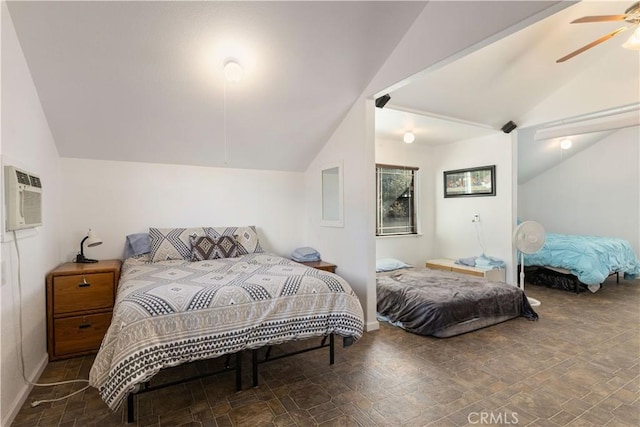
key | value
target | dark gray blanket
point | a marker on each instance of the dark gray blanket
(426, 301)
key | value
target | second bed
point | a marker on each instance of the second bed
(445, 304)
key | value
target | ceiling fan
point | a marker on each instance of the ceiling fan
(631, 15)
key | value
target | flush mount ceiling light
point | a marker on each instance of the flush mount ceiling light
(233, 71)
(409, 137)
(565, 144)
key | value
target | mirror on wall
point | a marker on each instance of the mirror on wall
(332, 195)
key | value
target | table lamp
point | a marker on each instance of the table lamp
(92, 240)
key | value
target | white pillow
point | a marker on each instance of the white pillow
(390, 264)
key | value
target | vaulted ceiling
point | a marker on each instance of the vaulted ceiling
(508, 79)
(517, 78)
(143, 81)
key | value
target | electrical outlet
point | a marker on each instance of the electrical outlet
(476, 218)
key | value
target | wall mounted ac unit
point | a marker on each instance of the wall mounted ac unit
(23, 199)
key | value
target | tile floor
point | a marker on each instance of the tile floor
(579, 365)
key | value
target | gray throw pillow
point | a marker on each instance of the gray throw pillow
(205, 248)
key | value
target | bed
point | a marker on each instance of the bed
(173, 311)
(444, 304)
(575, 261)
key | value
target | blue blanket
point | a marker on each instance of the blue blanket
(482, 261)
(137, 244)
(591, 259)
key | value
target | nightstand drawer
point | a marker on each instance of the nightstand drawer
(81, 292)
(80, 333)
(80, 300)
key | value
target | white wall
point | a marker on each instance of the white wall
(352, 247)
(26, 143)
(412, 249)
(119, 198)
(455, 233)
(594, 192)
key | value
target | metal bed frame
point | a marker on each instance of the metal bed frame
(146, 387)
(577, 282)
(267, 357)
(567, 274)
(228, 367)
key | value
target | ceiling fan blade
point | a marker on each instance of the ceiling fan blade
(592, 44)
(600, 18)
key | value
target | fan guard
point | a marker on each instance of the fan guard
(528, 237)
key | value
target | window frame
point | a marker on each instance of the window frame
(415, 202)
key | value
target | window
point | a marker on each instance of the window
(396, 200)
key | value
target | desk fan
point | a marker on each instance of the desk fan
(528, 237)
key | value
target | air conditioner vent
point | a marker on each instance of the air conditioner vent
(23, 199)
(23, 178)
(35, 181)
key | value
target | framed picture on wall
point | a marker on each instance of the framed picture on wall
(479, 181)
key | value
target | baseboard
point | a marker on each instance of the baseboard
(372, 326)
(24, 392)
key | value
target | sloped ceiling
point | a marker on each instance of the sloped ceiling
(517, 78)
(143, 81)
(508, 79)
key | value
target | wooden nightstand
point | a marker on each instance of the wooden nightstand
(80, 300)
(321, 265)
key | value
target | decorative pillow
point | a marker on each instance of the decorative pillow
(246, 237)
(390, 264)
(172, 243)
(204, 247)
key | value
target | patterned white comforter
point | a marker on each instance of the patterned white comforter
(171, 312)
